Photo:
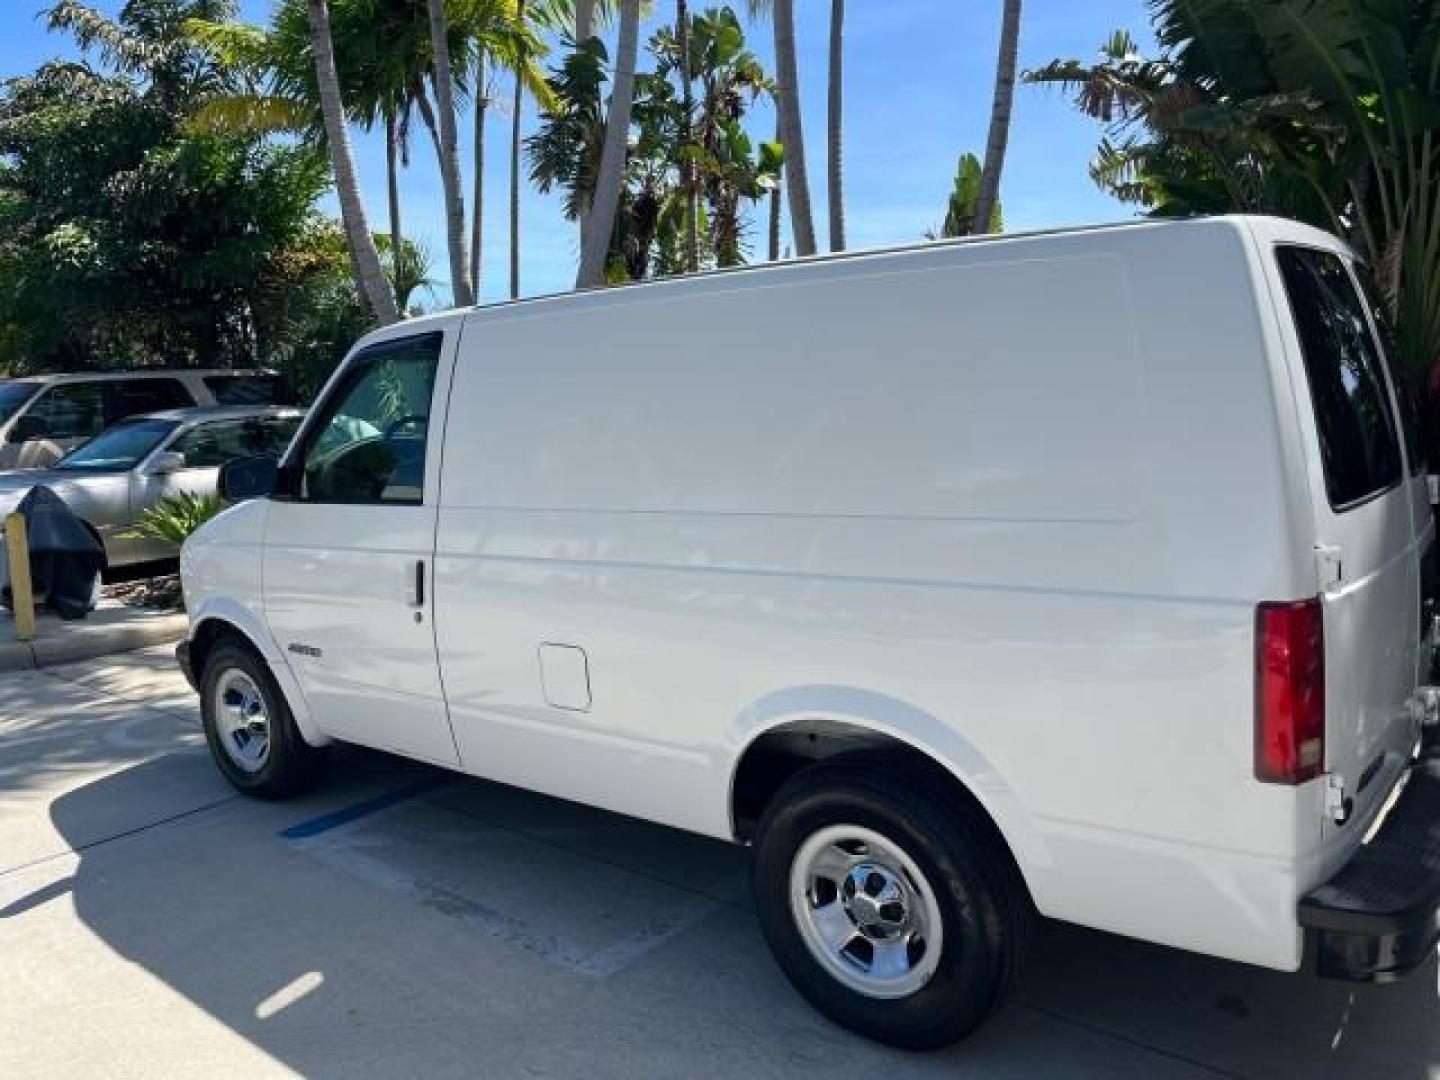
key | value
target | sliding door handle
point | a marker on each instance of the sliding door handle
(419, 600)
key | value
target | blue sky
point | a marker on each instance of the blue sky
(919, 75)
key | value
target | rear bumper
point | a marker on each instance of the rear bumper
(1379, 916)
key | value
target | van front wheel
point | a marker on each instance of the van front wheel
(886, 902)
(252, 736)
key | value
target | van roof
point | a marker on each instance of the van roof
(1296, 230)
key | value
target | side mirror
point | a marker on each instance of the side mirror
(247, 478)
(165, 462)
(26, 428)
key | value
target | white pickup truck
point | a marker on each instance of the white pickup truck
(1077, 573)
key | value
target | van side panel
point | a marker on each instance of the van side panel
(1031, 490)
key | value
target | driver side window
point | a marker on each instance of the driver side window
(368, 443)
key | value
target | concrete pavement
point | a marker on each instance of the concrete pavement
(110, 628)
(403, 921)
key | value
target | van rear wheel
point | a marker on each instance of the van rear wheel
(888, 902)
(249, 727)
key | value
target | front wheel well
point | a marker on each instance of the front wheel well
(211, 633)
(781, 753)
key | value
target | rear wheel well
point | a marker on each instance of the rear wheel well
(778, 754)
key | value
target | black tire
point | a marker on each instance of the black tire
(290, 765)
(984, 908)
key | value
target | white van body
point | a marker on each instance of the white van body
(1009, 503)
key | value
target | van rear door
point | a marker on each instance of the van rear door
(1365, 530)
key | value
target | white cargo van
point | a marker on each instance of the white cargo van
(1076, 573)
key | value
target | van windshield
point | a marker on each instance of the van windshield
(13, 395)
(1359, 439)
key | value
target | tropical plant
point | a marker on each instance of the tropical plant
(386, 60)
(675, 149)
(719, 162)
(964, 201)
(174, 518)
(565, 151)
(126, 236)
(999, 136)
(1323, 110)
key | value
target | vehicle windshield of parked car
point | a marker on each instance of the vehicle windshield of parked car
(122, 447)
(13, 395)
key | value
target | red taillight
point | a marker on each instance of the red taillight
(1289, 692)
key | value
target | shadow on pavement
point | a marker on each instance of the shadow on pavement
(473, 929)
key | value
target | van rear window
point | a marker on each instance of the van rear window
(1359, 442)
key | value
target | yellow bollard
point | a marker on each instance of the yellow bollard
(22, 599)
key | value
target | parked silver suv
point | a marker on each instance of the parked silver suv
(111, 480)
(44, 416)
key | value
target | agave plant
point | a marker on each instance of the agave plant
(174, 518)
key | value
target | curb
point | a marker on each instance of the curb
(81, 642)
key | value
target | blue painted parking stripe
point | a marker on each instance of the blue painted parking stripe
(364, 808)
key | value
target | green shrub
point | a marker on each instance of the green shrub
(175, 517)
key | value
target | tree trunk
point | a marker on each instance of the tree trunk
(584, 21)
(450, 179)
(792, 135)
(595, 243)
(427, 116)
(836, 122)
(999, 117)
(687, 168)
(775, 209)
(365, 259)
(477, 211)
(519, 100)
(392, 177)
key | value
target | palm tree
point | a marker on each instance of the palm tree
(518, 104)
(584, 20)
(461, 285)
(687, 168)
(999, 116)
(835, 189)
(532, 16)
(600, 222)
(477, 209)
(392, 176)
(383, 50)
(792, 135)
(1322, 112)
(772, 227)
(374, 287)
(502, 40)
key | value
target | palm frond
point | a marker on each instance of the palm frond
(256, 114)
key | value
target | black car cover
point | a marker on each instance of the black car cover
(64, 555)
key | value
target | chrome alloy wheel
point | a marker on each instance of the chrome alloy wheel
(242, 720)
(865, 911)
